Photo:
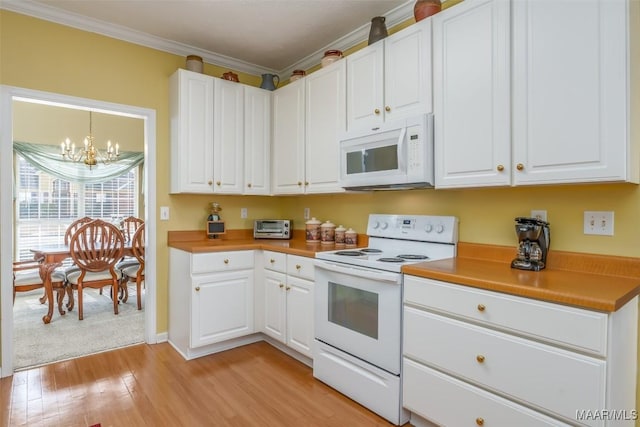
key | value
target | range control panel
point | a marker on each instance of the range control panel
(427, 228)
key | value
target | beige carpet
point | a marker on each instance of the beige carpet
(67, 337)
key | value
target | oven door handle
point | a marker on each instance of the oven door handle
(366, 273)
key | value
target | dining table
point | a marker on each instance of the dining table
(51, 256)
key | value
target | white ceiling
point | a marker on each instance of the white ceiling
(253, 36)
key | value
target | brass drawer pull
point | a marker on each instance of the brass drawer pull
(500, 168)
(226, 261)
(197, 288)
(298, 266)
(481, 307)
(281, 285)
(520, 166)
(480, 358)
(272, 260)
(480, 421)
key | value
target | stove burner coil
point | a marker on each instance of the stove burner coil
(413, 257)
(371, 251)
(350, 253)
(391, 259)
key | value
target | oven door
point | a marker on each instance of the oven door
(358, 310)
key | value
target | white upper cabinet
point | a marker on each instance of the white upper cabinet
(390, 79)
(308, 119)
(566, 117)
(287, 175)
(191, 111)
(257, 140)
(326, 121)
(471, 70)
(228, 137)
(571, 91)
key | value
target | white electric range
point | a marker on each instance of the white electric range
(358, 307)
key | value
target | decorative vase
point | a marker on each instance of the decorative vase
(378, 29)
(270, 81)
(425, 8)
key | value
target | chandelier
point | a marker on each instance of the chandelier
(90, 155)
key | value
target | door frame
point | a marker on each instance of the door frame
(7, 95)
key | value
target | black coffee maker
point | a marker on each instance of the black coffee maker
(533, 244)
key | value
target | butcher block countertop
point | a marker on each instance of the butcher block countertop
(596, 282)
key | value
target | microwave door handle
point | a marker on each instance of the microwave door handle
(366, 273)
(402, 150)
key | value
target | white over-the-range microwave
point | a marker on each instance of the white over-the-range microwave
(396, 155)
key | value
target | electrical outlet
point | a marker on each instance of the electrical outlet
(164, 213)
(307, 213)
(598, 222)
(539, 214)
(243, 213)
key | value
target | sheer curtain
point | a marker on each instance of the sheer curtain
(48, 159)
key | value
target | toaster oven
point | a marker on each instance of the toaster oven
(272, 229)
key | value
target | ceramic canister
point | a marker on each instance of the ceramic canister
(351, 237)
(312, 228)
(194, 63)
(340, 235)
(328, 233)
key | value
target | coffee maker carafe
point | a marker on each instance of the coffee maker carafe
(533, 244)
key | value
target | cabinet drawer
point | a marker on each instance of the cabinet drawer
(221, 261)
(543, 376)
(300, 266)
(573, 327)
(451, 402)
(276, 261)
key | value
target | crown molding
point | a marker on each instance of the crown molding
(52, 14)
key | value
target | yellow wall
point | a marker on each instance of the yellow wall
(44, 56)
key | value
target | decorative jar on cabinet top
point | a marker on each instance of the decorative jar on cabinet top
(378, 29)
(194, 63)
(425, 8)
(312, 228)
(330, 57)
(328, 233)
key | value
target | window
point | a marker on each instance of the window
(46, 205)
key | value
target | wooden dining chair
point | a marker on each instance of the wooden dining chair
(135, 273)
(129, 227)
(29, 275)
(95, 248)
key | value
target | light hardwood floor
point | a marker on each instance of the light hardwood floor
(152, 385)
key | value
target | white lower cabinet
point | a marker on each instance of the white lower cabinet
(288, 300)
(472, 355)
(210, 298)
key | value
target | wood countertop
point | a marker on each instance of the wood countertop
(595, 282)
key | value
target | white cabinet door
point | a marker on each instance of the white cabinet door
(326, 121)
(275, 316)
(191, 111)
(288, 139)
(300, 315)
(407, 72)
(257, 140)
(222, 307)
(570, 88)
(365, 87)
(228, 136)
(471, 63)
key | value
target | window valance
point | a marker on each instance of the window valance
(47, 158)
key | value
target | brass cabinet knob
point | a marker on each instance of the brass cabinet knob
(298, 266)
(226, 261)
(480, 421)
(210, 182)
(218, 183)
(288, 287)
(272, 260)
(197, 288)
(500, 168)
(481, 307)
(376, 111)
(387, 108)
(249, 185)
(480, 358)
(306, 183)
(520, 166)
(299, 183)
(281, 285)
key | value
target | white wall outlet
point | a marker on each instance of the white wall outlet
(164, 213)
(307, 213)
(539, 214)
(243, 213)
(598, 222)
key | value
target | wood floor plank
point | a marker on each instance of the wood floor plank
(149, 385)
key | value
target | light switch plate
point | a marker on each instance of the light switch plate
(243, 213)
(164, 213)
(598, 222)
